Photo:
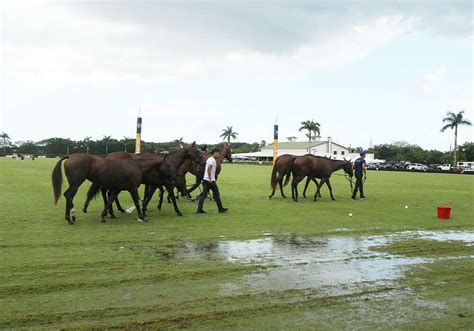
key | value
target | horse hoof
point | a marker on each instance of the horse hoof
(122, 210)
(84, 210)
(269, 197)
(179, 214)
(113, 216)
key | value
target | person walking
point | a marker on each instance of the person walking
(209, 183)
(359, 170)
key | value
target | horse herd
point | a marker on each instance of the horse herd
(122, 171)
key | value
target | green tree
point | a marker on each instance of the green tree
(106, 140)
(468, 151)
(313, 129)
(228, 133)
(6, 140)
(455, 120)
(126, 141)
(85, 143)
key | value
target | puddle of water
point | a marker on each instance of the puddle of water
(332, 264)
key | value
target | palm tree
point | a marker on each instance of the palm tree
(5, 137)
(312, 127)
(125, 141)
(228, 133)
(454, 120)
(106, 141)
(85, 142)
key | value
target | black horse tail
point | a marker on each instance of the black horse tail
(93, 192)
(288, 177)
(274, 180)
(57, 179)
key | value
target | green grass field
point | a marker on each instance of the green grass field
(125, 274)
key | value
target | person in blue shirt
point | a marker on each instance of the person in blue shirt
(359, 171)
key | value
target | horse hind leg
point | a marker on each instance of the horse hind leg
(70, 210)
(306, 186)
(280, 183)
(136, 201)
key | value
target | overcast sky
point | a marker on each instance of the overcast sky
(385, 71)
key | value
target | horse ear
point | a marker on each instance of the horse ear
(193, 144)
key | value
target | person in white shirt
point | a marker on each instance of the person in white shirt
(209, 183)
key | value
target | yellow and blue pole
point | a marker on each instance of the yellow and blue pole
(275, 142)
(139, 133)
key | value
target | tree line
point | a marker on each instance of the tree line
(56, 146)
(403, 151)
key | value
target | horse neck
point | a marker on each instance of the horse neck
(184, 167)
(337, 165)
(177, 157)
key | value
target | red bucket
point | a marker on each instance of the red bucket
(444, 212)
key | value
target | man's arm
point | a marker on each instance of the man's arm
(209, 170)
(364, 169)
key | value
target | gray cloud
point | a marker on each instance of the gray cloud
(269, 27)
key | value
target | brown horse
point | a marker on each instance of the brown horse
(166, 174)
(316, 167)
(154, 182)
(282, 167)
(116, 175)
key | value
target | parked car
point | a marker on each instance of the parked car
(392, 165)
(372, 165)
(417, 166)
(445, 167)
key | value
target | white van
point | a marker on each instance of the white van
(465, 165)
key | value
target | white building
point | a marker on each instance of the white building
(326, 148)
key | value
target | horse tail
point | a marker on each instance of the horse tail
(93, 192)
(288, 177)
(274, 180)
(57, 179)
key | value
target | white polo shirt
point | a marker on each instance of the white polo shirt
(210, 162)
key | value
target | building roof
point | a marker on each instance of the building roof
(295, 145)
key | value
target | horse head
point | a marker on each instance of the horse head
(193, 154)
(348, 168)
(167, 170)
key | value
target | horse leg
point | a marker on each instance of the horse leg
(173, 199)
(69, 195)
(306, 186)
(280, 183)
(317, 186)
(162, 193)
(330, 189)
(148, 196)
(119, 206)
(323, 180)
(294, 187)
(106, 195)
(136, 201)
(110, 200)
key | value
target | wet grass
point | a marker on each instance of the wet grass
(122, 274)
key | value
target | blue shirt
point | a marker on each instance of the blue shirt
(358, 165)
